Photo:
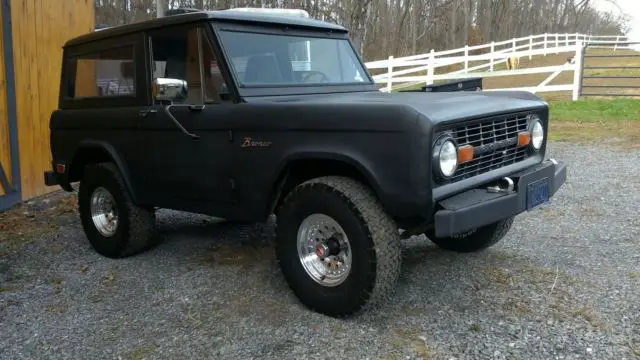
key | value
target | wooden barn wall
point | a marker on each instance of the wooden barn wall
(40, 28)
(5, 155)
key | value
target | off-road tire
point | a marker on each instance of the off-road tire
(373, 237)
(476, 240)
(135, 231)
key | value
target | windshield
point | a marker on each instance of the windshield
(276, 60)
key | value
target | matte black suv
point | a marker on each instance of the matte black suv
(241, 116)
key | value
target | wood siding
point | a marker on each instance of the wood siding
(40, 28)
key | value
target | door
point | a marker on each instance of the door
(188, 142)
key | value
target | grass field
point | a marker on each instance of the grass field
(616, 120)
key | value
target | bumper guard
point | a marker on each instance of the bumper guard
(479, 207)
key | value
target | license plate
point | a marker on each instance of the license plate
(537, 193)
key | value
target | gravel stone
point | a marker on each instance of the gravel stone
(563, 284)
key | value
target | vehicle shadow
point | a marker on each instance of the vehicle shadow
(429, 275)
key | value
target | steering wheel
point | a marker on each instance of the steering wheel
(323, 78)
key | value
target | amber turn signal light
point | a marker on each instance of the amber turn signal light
(524, 138)
(465, 154)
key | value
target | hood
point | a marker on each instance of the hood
(437, 107)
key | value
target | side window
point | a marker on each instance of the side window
(187, 54)
(105, 73)
(215, 87)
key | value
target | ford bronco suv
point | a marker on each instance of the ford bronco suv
(248, 116)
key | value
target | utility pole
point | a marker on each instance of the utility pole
(160, 8)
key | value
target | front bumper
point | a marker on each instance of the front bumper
(479, 207)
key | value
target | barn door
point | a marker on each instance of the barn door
(9, 160)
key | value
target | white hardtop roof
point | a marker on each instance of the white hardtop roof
(274, 11)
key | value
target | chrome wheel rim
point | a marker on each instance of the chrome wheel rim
(104, 212)
(324, 250)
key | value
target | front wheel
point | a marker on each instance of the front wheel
(337, 248)
(476, 239)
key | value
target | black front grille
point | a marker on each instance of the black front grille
(495, 142)
(491, 161)
(490, 131)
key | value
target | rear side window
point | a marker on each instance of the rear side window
(105, 73)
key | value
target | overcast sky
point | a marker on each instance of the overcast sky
(630, 7)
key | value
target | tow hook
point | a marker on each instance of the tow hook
(505, 185)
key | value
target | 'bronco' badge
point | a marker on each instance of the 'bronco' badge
(249, 142)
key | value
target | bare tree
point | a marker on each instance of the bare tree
(380, 28)
(160, 6)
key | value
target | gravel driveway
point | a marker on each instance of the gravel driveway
(564, 284)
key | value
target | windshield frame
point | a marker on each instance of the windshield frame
(290, 88)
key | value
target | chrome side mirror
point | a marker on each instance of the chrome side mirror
(166, 89)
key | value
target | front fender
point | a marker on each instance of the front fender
(387, 166)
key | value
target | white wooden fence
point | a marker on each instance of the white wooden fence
(408, 70)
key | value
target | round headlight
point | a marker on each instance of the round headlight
(537, 134)
(447, 157)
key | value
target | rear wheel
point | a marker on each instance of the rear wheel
(337, 248)
(114, 225)
(476, 239)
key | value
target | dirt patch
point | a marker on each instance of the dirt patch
(409, 339)
(22, 224)
(241, 255)
(142, 352)
(104, 287)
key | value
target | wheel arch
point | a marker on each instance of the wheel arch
(301, 167)
(93, 152)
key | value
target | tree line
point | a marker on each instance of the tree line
(380, 28)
